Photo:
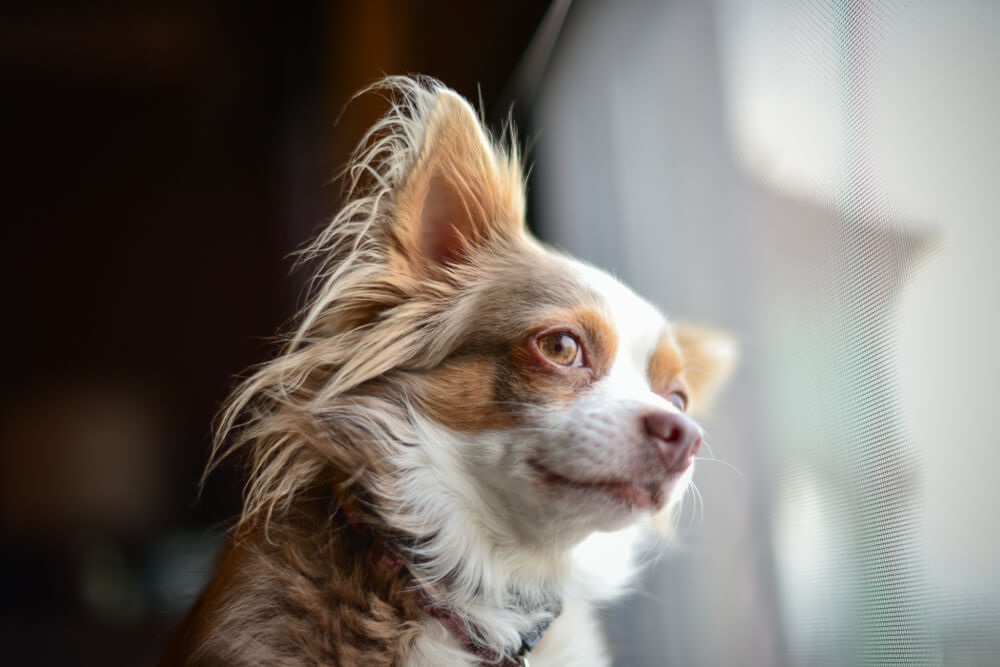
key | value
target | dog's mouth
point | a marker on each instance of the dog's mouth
(638, 494)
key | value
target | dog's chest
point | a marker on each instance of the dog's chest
(573, 640)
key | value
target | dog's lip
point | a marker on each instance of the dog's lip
(643, 494)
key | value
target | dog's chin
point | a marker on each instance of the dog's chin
(609, 503)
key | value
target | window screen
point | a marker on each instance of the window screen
(820, 179)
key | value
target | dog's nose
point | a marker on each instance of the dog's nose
(677, 437)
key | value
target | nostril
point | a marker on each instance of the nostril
(678, 438)
(666, 426)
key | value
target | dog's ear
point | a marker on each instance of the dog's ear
(709, 359)
(461, 193)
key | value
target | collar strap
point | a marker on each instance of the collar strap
(457, 626)
(382, 557)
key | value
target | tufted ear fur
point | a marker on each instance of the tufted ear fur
(461, 193)
(709, 359)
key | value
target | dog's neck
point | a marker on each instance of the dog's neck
(459, 628)
(384, 553)
(500, 586)
(476, 574)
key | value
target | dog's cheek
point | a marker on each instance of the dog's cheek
(460, 394)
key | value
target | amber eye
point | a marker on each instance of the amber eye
(561, 348)
(679, 400)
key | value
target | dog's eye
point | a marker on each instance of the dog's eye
(561, 348)
(679, 399)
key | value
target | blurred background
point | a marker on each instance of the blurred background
(817, 177)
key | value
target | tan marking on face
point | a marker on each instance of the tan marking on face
(484, 391)
(666, 367)
(460, 394)
(709, 358)
(601, 345)
(535, 378)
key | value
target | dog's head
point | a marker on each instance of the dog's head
(540, 394)
(567, 397)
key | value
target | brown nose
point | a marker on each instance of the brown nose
(677, 437)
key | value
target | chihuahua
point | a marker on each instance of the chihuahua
(454, 455)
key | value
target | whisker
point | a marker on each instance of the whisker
(647, 595)
(704, 442)
(701, 500)
(694, 508)
(725, 463)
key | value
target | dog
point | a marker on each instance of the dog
(454, 456)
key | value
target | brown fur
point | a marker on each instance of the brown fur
(666, 368)
(309, 592)
(473, 392)
(299, 583)
(461, 395)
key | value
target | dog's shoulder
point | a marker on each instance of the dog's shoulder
(292, 595)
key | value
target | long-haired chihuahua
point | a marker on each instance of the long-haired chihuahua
(462, 419)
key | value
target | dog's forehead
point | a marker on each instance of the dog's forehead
(638, 324)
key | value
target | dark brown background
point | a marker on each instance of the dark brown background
(161, 161)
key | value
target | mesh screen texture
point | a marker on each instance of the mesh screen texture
(817, 177)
